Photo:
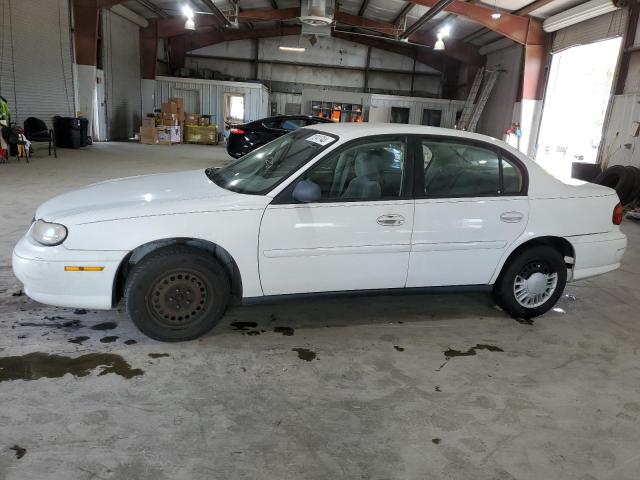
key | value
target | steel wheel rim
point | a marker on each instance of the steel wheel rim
(534, 285)
(180, 299)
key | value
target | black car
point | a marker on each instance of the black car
(248, 136)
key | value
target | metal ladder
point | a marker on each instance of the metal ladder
(473, 109)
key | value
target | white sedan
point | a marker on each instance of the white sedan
(331, 208)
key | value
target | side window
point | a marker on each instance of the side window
(370, 171)
(292, 124)
(455, 169)
(511, 178)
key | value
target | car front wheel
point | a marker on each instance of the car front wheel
(531, 283)
(177, 293)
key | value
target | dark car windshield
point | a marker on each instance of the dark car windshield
(259, 171)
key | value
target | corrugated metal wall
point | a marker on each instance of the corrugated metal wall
(621, 145)
(281, 100)
(36, 63)
(417, 105)
(122, 76)
(210, 94)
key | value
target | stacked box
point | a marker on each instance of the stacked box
(148, 135)
(204, 121)
(201, 135)
(191, 118)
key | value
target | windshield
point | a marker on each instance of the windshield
(259, 171)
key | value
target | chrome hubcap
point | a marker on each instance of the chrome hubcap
(533, 286)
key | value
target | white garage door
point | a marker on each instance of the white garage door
(121, 63)
(36, 63)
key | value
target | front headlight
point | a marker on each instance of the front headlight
(48, 234)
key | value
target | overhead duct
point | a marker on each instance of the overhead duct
(581, 13)
(316, 17)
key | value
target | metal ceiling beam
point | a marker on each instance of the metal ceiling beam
(523, 30)
(213, 8)
(269, 15)
(152, 7)
(431, 13)
(532, 7)
(363, 7)
(404, 12)
(462, 52)
(428, 58)
(366, 23)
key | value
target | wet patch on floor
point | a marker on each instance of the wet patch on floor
(450, 353)
(79, 339)
(286, 331)
(398, 349)
(436, 441)
(104, 326)
(305, 354)
(36, 365)
(109, 339)
(131, 341)
(20, 451)
(159, 355)
(52, 322)
(243, 326)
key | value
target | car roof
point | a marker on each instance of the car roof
(355, 130)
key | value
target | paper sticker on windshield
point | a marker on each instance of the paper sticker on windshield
(320, 139)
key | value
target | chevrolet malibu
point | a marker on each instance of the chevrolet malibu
(324, 209)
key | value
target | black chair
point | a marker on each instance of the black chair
(36, 131)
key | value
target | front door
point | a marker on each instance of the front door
(356, 237)
(471, 204)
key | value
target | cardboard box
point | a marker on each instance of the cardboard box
(149, 122)
(191, 118)
(169, 107)
(169, 135)
(204, 121)
(148, 135)
(179, 101)
(201, 135)
(168, 120)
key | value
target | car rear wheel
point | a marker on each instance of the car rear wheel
(176, 294)
(531, 283)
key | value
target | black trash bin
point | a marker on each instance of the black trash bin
(71, 132)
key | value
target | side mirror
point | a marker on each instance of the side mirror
(307, 191)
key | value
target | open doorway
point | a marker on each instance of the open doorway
(578, 93)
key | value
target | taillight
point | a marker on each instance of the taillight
(618, 214)
(237, 131)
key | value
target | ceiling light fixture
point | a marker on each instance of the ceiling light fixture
(442, 33)
(188, 12)
(496, 13)
(292, 49)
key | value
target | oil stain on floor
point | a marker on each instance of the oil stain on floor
(305, 354)
(20, 451)
(33, 366)
(286, 331)
(105, 326)
(159, 355)
(450, 353)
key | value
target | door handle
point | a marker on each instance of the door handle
(390, 220)
(511, 217)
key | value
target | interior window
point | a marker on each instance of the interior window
(453, 169)
(293, 124)
(370, 171)
(511, 178)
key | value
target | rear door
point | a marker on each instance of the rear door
(471, 204)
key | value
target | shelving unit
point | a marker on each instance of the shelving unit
(339, 112)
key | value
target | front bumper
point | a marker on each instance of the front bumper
(41, 270)
(597, 254)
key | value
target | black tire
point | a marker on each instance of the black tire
(199, 300)
(621, 180)
(538, 259)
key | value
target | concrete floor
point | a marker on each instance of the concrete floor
(560, 399)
